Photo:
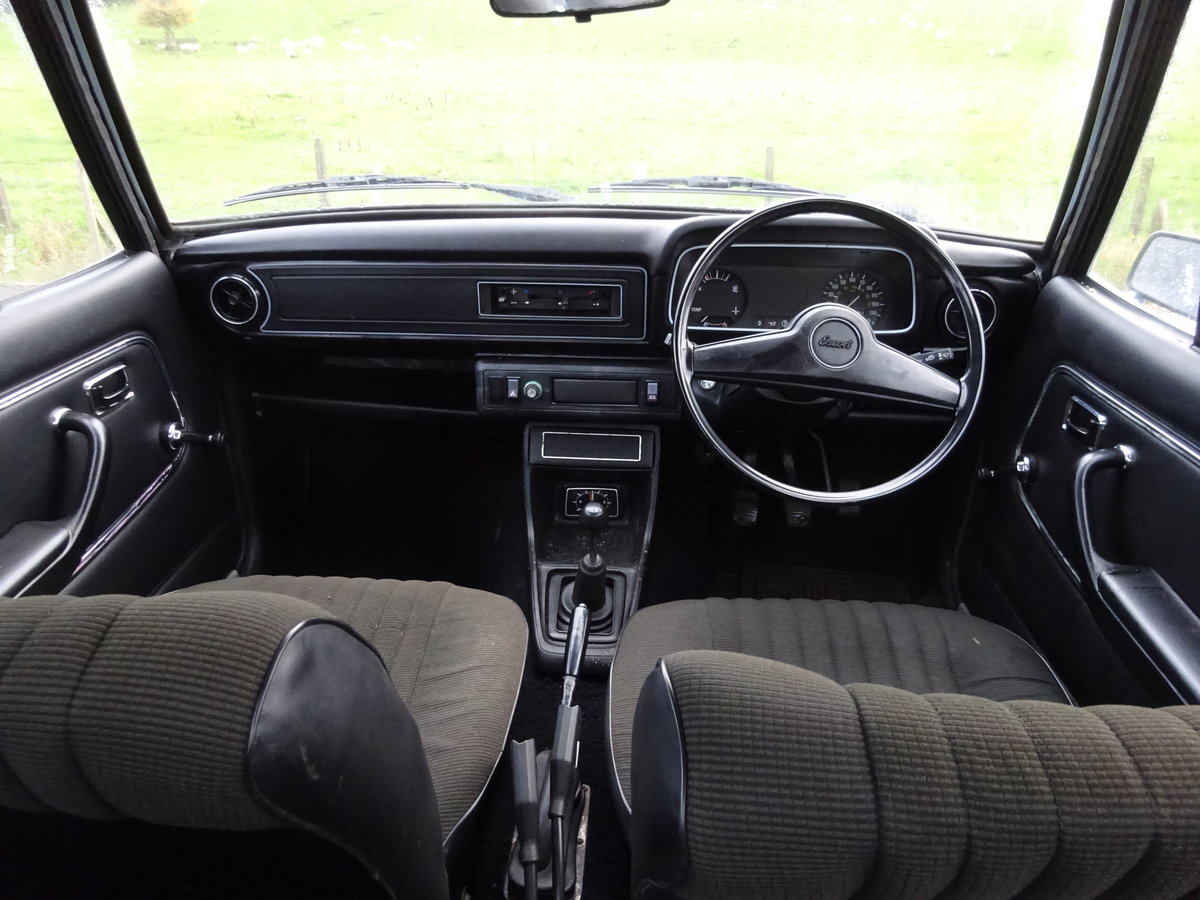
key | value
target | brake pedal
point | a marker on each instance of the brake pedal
(849, 510)
(798, 512)
(745, 508)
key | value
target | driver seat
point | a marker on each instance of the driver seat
(919, 649)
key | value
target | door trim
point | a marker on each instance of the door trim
(1151, 426)
(77, 366)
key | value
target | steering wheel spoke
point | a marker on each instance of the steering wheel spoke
(830, 349)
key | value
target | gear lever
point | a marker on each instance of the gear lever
(591, 577)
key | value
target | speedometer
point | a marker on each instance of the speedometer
(861, 291)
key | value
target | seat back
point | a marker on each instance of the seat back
(753, 778)
(230, 711)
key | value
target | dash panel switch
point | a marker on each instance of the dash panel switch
(514, 389)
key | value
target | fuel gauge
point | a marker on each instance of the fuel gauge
(720, 300)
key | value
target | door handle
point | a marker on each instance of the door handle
(1157, 619)
(109, 389)
(31, 549)
(1118, 457)
(1084, 422)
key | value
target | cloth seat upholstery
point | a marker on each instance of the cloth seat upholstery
(756, 779)
(230, 706)
(455, 656)
(916, 648)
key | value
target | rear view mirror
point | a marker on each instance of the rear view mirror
(580, 9)
(1167, 272)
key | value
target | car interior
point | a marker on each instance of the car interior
(540, 548)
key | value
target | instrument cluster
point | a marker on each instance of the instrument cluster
(763, 287)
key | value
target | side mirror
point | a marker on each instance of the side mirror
(582, 10)
(1167, 273)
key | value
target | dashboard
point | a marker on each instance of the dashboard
(541, 314)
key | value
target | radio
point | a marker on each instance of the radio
(558, 301)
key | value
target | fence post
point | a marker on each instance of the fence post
(769, 165)
(89, 210)
(6, 220)
(1139, 199)
(319, 154)
(1158, 220)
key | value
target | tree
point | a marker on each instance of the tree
(167, 15)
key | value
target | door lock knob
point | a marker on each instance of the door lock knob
(173, 436)
(1023, 468)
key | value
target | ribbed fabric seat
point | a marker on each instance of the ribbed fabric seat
(370, 713)
(762, 781)
(916, 648)
(455, 656)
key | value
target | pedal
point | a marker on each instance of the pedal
(849, 510)
(798, 512)
(745, 508)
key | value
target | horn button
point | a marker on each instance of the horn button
(836, 343)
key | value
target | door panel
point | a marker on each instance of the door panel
(1089, 356)
(109, 343)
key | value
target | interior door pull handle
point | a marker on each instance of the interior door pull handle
(1112, 458)
(1155, 617)
(97, 466)
(31, 549)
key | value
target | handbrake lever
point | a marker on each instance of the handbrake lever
(525, 796)
(564, 754)
(577, 639)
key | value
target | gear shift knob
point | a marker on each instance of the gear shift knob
(594, 519)
(593, 516)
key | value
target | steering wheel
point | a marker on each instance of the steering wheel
(832, 350)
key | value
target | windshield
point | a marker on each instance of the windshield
(959, 114)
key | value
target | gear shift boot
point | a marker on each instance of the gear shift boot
(602, 614)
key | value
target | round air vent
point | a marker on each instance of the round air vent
(953, 316)
(235, 299)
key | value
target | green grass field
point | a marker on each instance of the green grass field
(967, 113)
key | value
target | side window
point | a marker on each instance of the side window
(1150, 254)
(50, 221)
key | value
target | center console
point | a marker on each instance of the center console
(591, 437)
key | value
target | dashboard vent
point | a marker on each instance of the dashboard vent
(956, 323)
(234, 299)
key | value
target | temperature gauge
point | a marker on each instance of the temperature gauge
(720, 300)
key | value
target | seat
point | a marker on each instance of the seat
(916, 648)
(371, 712)
(757, 779)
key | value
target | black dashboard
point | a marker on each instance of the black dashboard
(554, 299)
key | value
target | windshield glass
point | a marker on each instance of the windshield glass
(959, 114)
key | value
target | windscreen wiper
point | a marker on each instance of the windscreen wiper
(336, 183)
(720, 184)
